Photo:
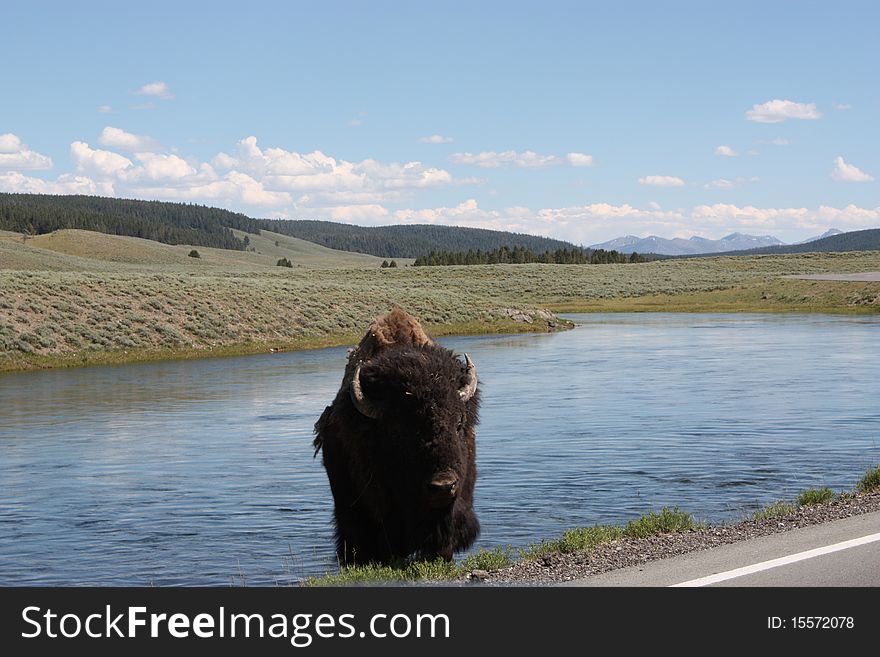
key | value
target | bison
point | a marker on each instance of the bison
(399, 447)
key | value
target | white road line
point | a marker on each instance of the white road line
(781, 561)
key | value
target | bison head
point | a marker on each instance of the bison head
(423, 404)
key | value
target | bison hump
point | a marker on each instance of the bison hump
(399, 328)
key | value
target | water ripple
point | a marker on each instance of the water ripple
(202, 472)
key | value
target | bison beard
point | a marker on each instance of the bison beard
(399, 447)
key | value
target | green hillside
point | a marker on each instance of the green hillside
(412, 241)
(857, 240)
(197, 225)
(82, 250)
(170, 223)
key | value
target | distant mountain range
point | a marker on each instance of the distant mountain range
(828, 233)
(184, 223)
(856, 240)
(698, 245)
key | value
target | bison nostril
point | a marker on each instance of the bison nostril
(443, 488)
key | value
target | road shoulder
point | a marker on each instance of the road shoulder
(703, 563)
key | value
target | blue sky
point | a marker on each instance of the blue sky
(577, 120)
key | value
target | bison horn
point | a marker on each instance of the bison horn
(468, 389)
(364, 405)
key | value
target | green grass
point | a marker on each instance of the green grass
(437, 570)
(814, 496)
(75, 297)
(775, 510)
(583, 539)
(665, 522)
(768, 296)
(487, 559)
(82, 250)
(870, 482)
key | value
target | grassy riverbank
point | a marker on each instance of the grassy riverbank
(781, 295)
(578, 545)
(96, 311)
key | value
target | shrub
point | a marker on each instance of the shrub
(774, 510)
(194, 254)
(26, 347)
(813, 496)
(486, 559)
(582, 539)
(665, 522)
(586, 538)
(870, 482)
(284, 262)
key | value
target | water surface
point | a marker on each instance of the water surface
(201, 472)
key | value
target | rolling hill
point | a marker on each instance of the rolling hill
(84, 250)
(197, 225)
(857, 240)
(170, 223)
(414, 240)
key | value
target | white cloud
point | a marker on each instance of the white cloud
(105, 109)
(16, 156)
(436, 139)
(724, 183)
(224, 161)
(727, 151)
(845, 172)
(852, 216)
(842, 106)
(780, 141)
(249, 177)
(356, 192)
(579, 159)
(588, 224)
(720, 183)
(274, 181)
(98, 162)
(662, 181)
(370, 213)
(10, 143)
(16, 182)
(776, 111)
(157, 89)
(505, 159)
(126, 141)
(329, 180)
(155, 166)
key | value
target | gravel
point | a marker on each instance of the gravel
(626, 552)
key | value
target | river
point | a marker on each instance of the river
(201, 472)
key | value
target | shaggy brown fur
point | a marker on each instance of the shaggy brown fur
(380, 470)
(397, 328)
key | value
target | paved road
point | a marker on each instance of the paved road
(865, 276)
(839, 553)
